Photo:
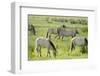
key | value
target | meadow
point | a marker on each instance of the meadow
(42, 23)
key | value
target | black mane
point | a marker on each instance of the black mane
(52, 45)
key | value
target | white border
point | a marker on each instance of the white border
(19, 38)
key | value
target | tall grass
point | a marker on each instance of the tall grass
(41, 25)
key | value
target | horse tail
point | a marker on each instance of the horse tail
(53, 46)
(86, 40)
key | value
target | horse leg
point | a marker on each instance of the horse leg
(83, 49)
(62, 37)
(33, 32)
(54, 53)
(86, 49)
(47, 34)
(40, 51)
(48, 53)
(72, 47)
(50, 36)
(37, 49)
(59, 37)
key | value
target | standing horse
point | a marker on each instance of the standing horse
(62, 32)
(79, 41)
(32, 29)
(46, 43)
(54, 31)
(51, 31)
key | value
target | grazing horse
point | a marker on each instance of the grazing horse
(79, 41)
(46, 43)
(54, 31)
(62, 32)
(32, 29)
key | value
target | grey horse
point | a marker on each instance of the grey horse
(54, 31)
(46, 43)
(62, 32)
(79, 41)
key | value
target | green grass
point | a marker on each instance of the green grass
(62, 46)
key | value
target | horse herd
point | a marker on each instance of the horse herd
(59, 32)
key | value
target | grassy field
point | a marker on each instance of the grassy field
(42, 23)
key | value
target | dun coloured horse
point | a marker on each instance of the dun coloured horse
(62, 32)
(54, 31)
(46, 43)
(79, 41)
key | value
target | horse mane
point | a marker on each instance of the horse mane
(52, 45)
